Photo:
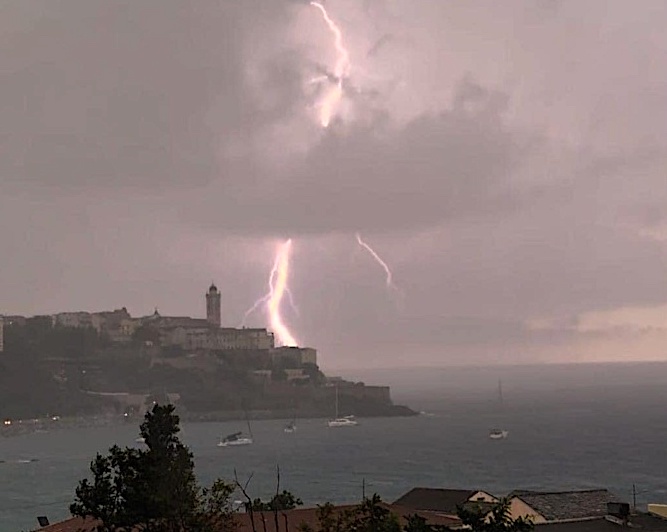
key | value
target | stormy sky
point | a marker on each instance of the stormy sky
(506, 159)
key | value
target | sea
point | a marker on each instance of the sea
(570, 427)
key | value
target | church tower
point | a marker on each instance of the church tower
(213, 306)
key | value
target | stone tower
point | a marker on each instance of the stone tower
(213, 306)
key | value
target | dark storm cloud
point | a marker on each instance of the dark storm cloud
(508, 164)
(438, 167)
(145, 98)
(129, 94)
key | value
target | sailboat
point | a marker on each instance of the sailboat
(237, 438)
(499, 434)
(291, 426)
(346, 421)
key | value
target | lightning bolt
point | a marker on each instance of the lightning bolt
(277, 290)
(262, 301)
(333, 96)
(278, 287)
(378, 259)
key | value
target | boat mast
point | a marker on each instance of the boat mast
(500, 393)
(247, 419)
(336, 402)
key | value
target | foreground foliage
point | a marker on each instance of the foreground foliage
(499, 519)
(152, 489)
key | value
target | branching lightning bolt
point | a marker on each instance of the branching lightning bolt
(277, 290)
(332, 98)
(378, 259)
(262, 301)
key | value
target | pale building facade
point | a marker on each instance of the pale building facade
(294, 355)
(74, 319)
(659, 510)
(244, 338)
(482, 496)
(519, 508)
(223, 339)
(116, 323)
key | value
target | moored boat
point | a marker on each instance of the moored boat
(497, 434)
(233, 440)
(345, 421)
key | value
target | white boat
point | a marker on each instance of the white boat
(497, 434)
(238, 438)
(234, 440)
(346, 421)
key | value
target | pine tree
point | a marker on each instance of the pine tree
(152, 489)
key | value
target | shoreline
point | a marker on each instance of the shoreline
(240, 415)
(43, 425)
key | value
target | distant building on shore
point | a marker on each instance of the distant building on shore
(189, 334)
(294, 355)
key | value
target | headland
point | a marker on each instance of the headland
(87, 367)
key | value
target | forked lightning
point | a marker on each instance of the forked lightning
(330, 102)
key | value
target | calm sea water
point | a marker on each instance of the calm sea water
(565, 431)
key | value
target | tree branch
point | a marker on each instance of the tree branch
(244, 491)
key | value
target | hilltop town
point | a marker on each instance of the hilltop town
(111, 363)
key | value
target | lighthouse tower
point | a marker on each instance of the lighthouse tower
(213, 306)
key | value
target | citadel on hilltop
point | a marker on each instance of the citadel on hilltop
(91, 362)
(189, 334)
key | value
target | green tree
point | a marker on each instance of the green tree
(285, 501)
(372, 516)
(498, 519)
(215, 508)
(153, 489)
(417, 523)
(369, 516)
(327, 518)
(280, 502)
